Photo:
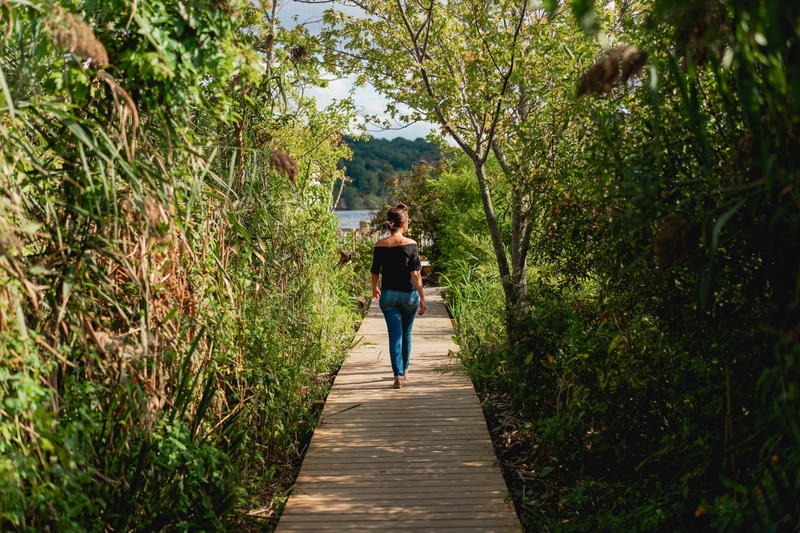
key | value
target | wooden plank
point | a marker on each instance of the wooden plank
(318, 518)
(386, 422)
(393, 470)
(399, 525)
(399, 448)
(393, 523)
(385, 508)
(412, 459)
(357, 499)
(433, 518)
(325, 495)
(317, 483)
(402, 438)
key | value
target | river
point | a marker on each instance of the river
(350, 219)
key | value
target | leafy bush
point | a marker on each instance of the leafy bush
(171, 299)
(613, 407)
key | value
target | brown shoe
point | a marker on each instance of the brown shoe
(398, 383)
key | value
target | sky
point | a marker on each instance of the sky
(366, 98)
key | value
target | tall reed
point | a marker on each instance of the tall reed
(170, 296)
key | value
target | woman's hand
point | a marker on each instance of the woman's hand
(422, 308)
(376, 290)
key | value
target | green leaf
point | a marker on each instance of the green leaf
(7, 100)
(546, 471)
(733, 485)
(720, 223)
(550, 6)
(584, 13)
(79, 132)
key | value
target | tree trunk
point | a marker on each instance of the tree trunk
(513, 279)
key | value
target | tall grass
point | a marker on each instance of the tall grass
(171, 302)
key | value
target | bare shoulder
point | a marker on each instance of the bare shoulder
(382, 242)
(410, 241)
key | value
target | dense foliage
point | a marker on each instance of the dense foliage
(171, 299)
(655, 380)
(619, 228)
(374, 163)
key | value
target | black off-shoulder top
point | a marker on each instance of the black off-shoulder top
(395, 264)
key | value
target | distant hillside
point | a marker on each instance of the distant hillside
(376, 160)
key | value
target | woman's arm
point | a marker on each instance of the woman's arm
(416, 279)
(376, 292)
(375, 270)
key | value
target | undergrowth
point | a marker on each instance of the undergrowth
(172, 300)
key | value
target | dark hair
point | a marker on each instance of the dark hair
(396, 217)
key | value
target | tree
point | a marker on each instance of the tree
(467, 66)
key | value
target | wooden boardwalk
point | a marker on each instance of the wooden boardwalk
(418, 458)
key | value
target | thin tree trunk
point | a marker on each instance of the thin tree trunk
(339, 195)
(240, 151)
(520, 241)
(491, 220)
(514, 283)
(517, 291)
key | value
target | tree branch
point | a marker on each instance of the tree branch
(506, 78)
(420, 57)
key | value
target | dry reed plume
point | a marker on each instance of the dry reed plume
(283, 163)
(673, 240)
(74, 35)
(267, 43)
(298, 53)
(618, 65)
(125, 109)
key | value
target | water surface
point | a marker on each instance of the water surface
(351, 218)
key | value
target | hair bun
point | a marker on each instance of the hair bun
(396, 217)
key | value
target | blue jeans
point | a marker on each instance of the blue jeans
(399, 308)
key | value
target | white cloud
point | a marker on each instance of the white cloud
(367, 99)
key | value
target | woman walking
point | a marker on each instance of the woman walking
(396, 260)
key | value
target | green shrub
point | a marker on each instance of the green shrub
(171, 300)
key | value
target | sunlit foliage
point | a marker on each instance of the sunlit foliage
(653, 383)
(171, 299)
